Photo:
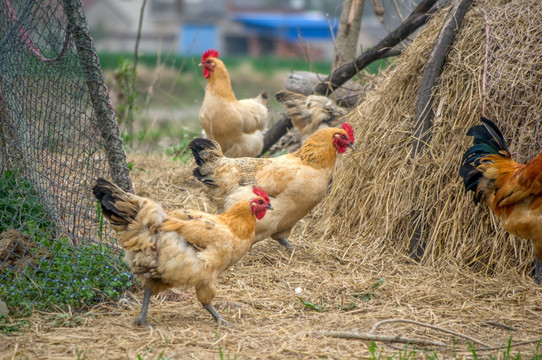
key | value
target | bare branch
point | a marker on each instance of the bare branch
(417, 18)
(382, 338)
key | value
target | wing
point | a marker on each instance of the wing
(516, 182)
(199, 229)
(254, 115)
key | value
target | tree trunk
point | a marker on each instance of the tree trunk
(346, 42)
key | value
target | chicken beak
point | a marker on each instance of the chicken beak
(270, 207)
(352, 146)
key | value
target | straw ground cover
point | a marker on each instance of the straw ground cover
(349, 264)
(351, 290)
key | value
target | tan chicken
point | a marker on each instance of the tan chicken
(237, 125)
(296, 182)
(185, 248)
(310, 113)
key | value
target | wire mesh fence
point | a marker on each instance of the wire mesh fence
(58, 134)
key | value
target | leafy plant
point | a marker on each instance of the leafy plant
(312, 306)
(369, 294)
(66, 275)
(20, 205)
(8, 325)
(125, 75)
(45, 270)
(181, 151)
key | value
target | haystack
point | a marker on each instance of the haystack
(494, 69)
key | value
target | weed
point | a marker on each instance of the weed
(125, 75)
(181, 151)
(46, 270)
(9, 325)
(312, 306)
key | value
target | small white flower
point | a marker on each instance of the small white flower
(298, 290)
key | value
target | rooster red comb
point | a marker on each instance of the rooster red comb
(209, 53)
(261, 192)
(349, 130)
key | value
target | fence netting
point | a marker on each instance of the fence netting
(58, 134)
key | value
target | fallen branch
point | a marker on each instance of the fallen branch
(303, 82)
(451, 332)
(343, 73)
(382, 338)
(275, 132)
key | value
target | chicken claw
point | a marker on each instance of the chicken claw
(142, 319)
(216, 315)
(284, 242)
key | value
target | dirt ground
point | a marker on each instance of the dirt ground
(345, 290)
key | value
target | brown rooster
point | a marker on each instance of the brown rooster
(296, 182)
(182, 248)
(512, 191)
(237, 125)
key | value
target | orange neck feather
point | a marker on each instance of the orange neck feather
(219, 82)
(240, 219)
(319, 151)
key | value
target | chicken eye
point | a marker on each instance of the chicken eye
(260, 202)
(343, 137)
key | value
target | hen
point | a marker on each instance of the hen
(182, 248)
(309, 113)
(512, 191)
(237, 125)
(296, 182)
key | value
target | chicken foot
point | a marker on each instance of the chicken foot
(216, 315)
(142, 319)
(284, 243)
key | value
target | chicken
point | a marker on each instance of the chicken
(512, 191)
(296, 182)
(185, 248)
(237, 125)
(310, 113)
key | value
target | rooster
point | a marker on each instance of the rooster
(237, 125)
(296, 181)
(182, 248)
(310, 113)
(512, 191)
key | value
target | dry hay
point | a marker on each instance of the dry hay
(357, 236)
(258, 296)
(379, 188)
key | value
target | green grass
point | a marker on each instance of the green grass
(409, 352)
(266, 65)
(53, 272)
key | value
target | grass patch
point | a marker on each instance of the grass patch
(45, 270)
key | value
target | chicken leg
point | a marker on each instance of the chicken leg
(142, 319)
(216, 315)
(284, 242)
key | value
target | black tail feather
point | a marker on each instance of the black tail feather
(105, 191)
(205, 152)
(201, 147)
(488, 140)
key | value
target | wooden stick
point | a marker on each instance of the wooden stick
(343, 73)
(275, 132)
(382, 338)
(376, 325)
